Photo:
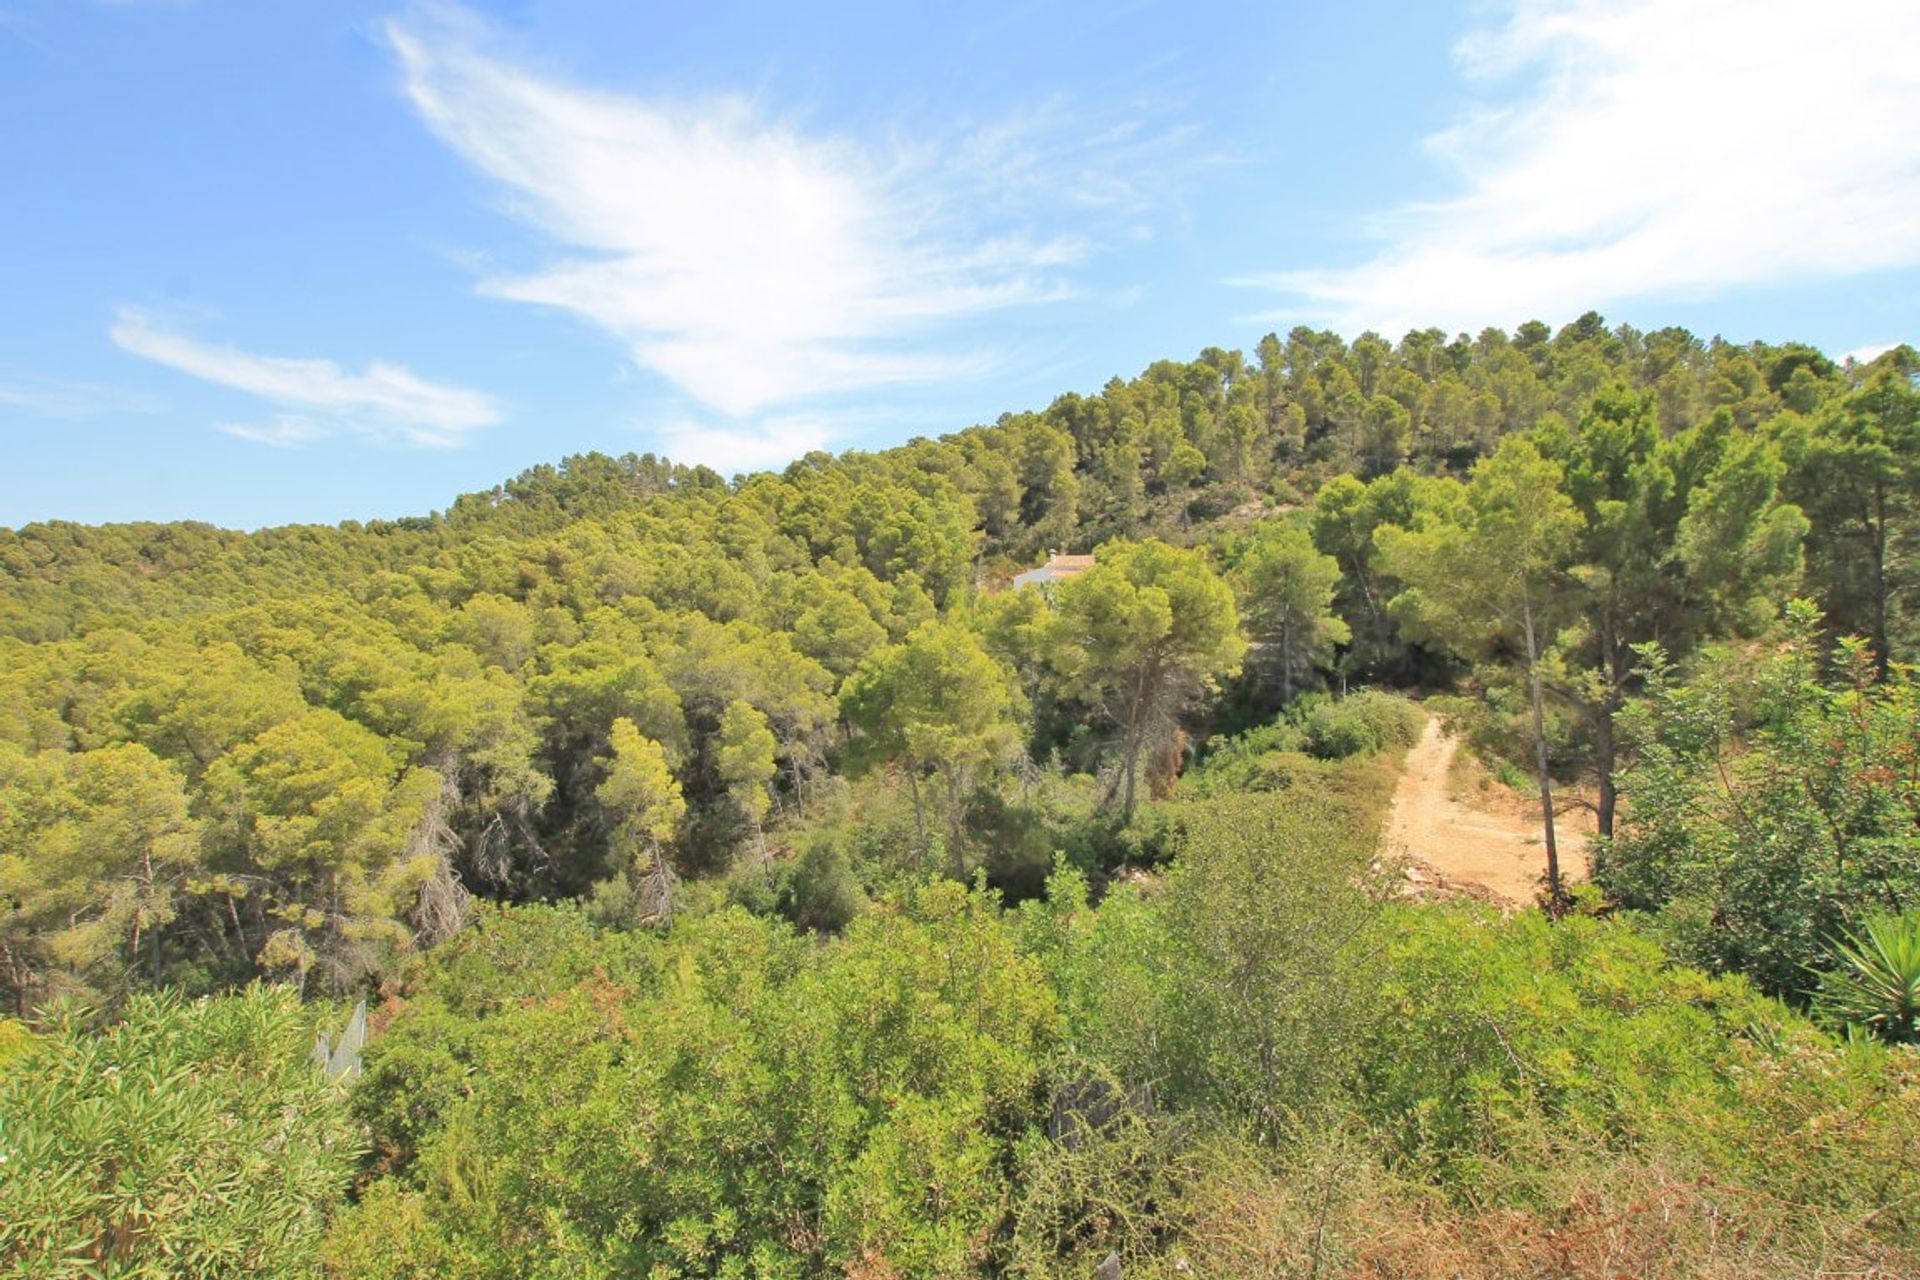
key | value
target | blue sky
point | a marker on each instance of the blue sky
(263, 263)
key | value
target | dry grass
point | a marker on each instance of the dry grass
(1337, 1216)
(1644, 1225)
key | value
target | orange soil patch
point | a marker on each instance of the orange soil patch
(1501, 852)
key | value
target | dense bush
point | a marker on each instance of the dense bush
(1365, 721)
(817, 890)
(1248, 1065)
(1317, 726)
(189, 1139)
(1499, 1036)
(15, 1040)
(1228, 988)
(1772, 808)
(1499, 1096)
(732, 1100)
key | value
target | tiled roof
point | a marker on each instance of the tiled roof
(1055, 569)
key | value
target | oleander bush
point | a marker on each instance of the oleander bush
(189, 1138)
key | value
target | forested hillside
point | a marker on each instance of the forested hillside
(748, 882)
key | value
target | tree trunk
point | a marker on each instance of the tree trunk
(1605, 748)
(1604, 752)
(1286, 665)
(919, 815)
(239, 929)
(659, 887)
(956, 818)
(1132, 756)
(1877, 545)
(1146, 693)
(153, 934)
(1555, 896)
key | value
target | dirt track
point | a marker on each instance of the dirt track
(1499, 850)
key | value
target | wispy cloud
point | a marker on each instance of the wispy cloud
(315, 398)
(1653, 148)
(74, 401)
(758, 267)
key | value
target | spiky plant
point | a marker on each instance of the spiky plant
(1877, 985)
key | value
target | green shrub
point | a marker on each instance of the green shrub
(1269, 758)
(1877, 984)
(1229, 987)
(1557, 1097)
(1366, 721)
(823, 894)
(15, 1041)
(754, 1103)
(508, 959)
(188, 1139)
(1770, 807)
(1498, 1042)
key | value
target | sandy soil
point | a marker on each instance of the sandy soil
(1495, 847)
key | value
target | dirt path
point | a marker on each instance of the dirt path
(1499, 850)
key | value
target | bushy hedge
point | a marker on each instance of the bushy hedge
(189, 1139)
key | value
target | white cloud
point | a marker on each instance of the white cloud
(756, 267)
(317, 398)
(1867, 354)
(1656, 148)
(74, 401)
(731, 450)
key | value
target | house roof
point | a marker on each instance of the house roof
(1057, 568)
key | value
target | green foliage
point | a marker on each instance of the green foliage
(1142, 634)
(825, 896)
(1298, 748)
(15, 1041)
(310, 751)
(1854, 467)
(1771, 809)
(1492, 1027)
(745, 758)
(1363, 722)
(1484, 568)
(96, 853)
(643, 803)
(1479, 564)
(751, 1105)
(1267, 923)
(188, 1139)
(510, 960)
(818, 891)
(1497, 1038)
(640, 792)
(365, 723)
(1231, 989)
(1876, 984)
(1286, 590)
(938, 702)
